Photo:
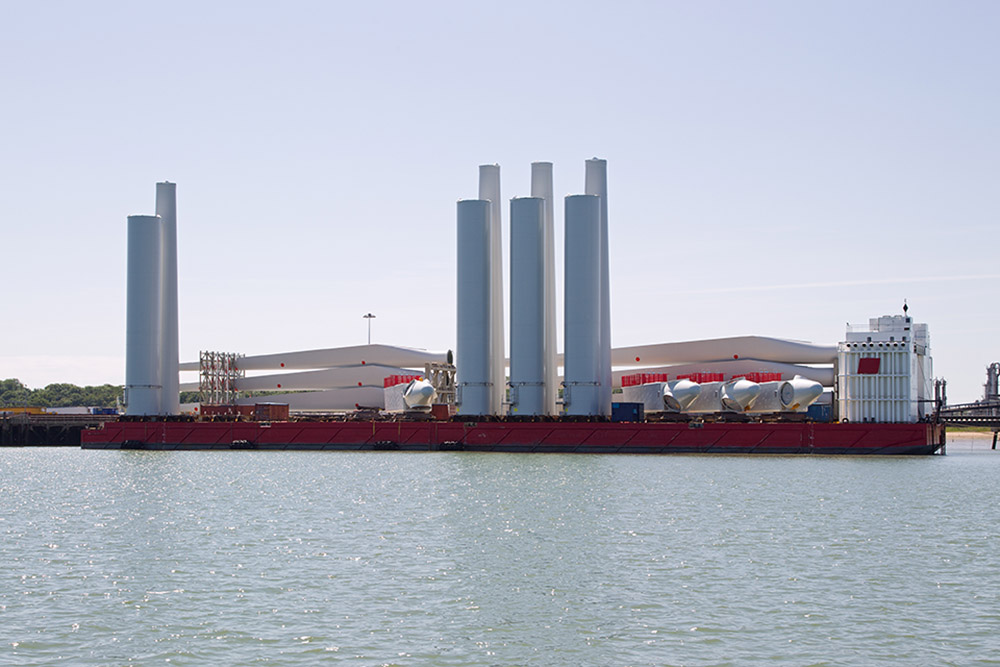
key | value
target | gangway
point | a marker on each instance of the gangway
(980, 413)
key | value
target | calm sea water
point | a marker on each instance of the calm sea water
(392, 558)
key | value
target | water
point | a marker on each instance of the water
(394, 558)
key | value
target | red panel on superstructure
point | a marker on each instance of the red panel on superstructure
(869, 366)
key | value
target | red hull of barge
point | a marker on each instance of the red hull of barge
(567, 437)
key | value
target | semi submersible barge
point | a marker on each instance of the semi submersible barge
(520, 436)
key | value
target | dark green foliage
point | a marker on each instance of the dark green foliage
(190, 397)
(14, 394)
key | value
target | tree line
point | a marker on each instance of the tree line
(14, 393)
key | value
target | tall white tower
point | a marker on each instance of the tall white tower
(142, 318)
(527, 307)
(475, 380)
(582, 394)
(166, 208)
(597, 184)
(541, 186)
(489, 189)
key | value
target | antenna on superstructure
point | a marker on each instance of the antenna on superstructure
(905, 307)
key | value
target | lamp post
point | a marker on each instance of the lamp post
(369, 317)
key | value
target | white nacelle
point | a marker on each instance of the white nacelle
(419, 394)
(680, 394)
(799, 393)
(739, 395)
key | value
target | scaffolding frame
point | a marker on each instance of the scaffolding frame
(218, 373)
(442, 378)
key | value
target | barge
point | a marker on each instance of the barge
(526, 436)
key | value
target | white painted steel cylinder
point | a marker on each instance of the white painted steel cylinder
(142, 318)
(489, 189)
(680, 394)
(527, 306)
(596, 183)
(582, 394)
(541, 186)
(473, 363)
(166, 208)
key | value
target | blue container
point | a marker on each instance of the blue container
(628, 412)
(820, 413)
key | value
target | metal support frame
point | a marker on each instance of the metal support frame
(442, 378)
(218, 373)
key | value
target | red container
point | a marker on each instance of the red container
(636, 379)
(762, 377)
(271, 412)
(702, 377)
(393, 380)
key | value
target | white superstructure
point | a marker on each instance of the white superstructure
(885, 372)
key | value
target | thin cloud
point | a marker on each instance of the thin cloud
(837, 283)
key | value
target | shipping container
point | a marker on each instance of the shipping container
(271, 412)
(627, 412)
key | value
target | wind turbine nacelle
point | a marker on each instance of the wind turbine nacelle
(680, 394)
(419, 394)
(799, 393)
(739, 395)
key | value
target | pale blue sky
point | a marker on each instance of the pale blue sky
(775, 168)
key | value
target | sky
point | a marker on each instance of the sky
(775, 168)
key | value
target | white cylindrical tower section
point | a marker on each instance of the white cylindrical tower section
(166, 208)
(473, 363)
(527, 309)
(541, 186)
(489, 189)
(142, 319)
(596, 183)
(582, 298)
